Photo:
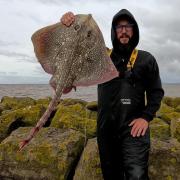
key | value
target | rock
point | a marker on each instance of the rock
(2, 108)
(69, 101)
(164, 160)
(92, 106)
(91, 114)
(89, 165)
(75, 116)
(177, 109)
(44, 101)
(27, 116)
(176, 102)
(168, 101)
(175, 128)
(159, 129)
(167, 117)
(12, 103)
(52, 154)
(164, 109)
(172, 102)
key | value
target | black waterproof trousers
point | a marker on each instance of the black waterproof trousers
(123, 157)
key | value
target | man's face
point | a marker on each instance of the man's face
(124, 31)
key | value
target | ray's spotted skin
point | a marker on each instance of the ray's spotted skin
(75, 56)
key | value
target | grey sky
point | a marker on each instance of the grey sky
(159, 24)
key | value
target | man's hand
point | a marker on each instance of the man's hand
(67, 19)
(139, 127)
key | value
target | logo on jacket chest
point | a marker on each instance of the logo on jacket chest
(125, 101)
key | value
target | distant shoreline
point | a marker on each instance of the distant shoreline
(48, 84)
(37, 91)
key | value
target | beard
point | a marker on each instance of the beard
(124, 38)
(124, 48)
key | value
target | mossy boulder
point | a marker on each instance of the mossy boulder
(176, 102)
(52, 154)
(2, 108)
(164, 109)
(169, 116)
(177, 109)
(75, 116)
(89, 165)
(27, 116)
(12, 103)
(172, 102)
(164, 159)
(44, 101)
(70, 101)
(175, 128)
(91, 114)
(92, 106)
(168, 101)
(159, 129)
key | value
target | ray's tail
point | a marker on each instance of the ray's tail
(40, 123)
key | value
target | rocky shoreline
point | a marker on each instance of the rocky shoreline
(66, 147)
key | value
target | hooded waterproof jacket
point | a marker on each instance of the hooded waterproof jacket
(123, 99)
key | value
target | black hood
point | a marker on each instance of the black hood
(118, 48)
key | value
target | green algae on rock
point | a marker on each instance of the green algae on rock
(69, 101)
(2, 108)
(163, 110)
(75, 116)
(27, 116)
(159, 129)
(89, 165)
(164, 159)
(44, 101)
(92, 106)
(172, 102)
(169, 116)
(177, 109)
(175, 128)
(51, 155)
(13, 103)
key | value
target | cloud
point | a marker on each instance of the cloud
(18, 56)
(14, 79)
(158, 22)
(3, 73)
(39, 71)
(29, 16)
(8, 43)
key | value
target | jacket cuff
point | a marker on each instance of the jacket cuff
(147, 117)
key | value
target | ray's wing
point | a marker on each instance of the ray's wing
(42, 45)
